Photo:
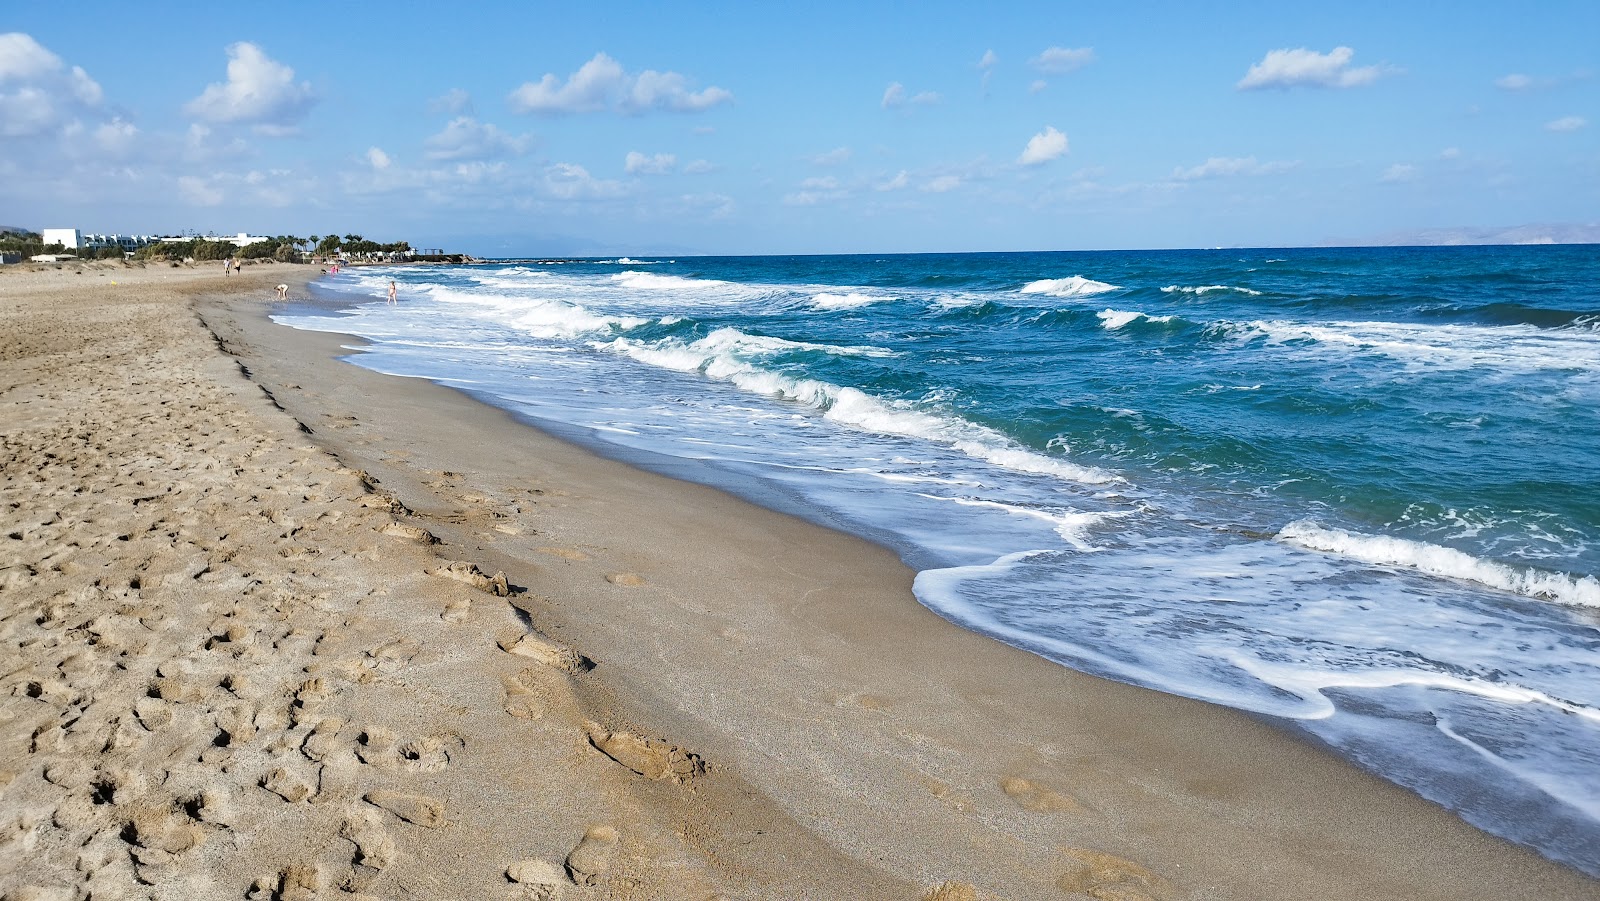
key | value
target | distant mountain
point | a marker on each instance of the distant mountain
(1550, 233)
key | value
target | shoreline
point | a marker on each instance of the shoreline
(816, 731)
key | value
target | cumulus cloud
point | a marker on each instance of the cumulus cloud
(988, 61)
(1399, 172)
(1308, 68)
(637, 163)
(116, 137)
(377, 159)
(1061, 60)
(453, 102)
(1224, 167)
(942, 183)
(39, 93)
(817, 190)
(1566, 123)
(1514, 82)
(698, 167)
(895, 96)
(465, 138)
(569, 181)
(259, 90)
(899, 182)
(602, 83)
(197, 191)
(833, 157)
(1043, 147)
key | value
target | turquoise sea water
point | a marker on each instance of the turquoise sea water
(1352, 490)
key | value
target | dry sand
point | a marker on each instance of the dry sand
(234, 664)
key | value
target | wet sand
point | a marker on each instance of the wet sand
(274, 626)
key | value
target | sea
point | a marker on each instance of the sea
(1352, 491)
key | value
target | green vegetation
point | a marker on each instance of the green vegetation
(282, 248)
(27, 243)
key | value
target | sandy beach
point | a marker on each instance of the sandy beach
(273, 626)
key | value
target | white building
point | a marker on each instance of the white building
(72, 239)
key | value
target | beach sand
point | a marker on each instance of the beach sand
(276, 627)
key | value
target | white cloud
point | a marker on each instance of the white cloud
(1450, 153)
(899, 182)
(1399, 172)
(1038, 85)
(1061, 60)
(832, 158)
(47, 95)
(817, 190)
(1308, 68)
(1224, 167)
(698, 167)
(942, 183)
(116, 137)
(23, 58)
(259, 90)
(1514, 82)
(1043, 147)
(1566, 123)
(601, 83)
(669, 91)
(988, 61)
(197, 191)
(377, 159)
(465, 138)
(453, 102)
(639, 164)
(569, 181)
(895, 97)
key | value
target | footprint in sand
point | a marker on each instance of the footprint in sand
(651, 758)
(521, 699)
(374, 847)
(545, 651)
(592, 857)
(1037, 798)
(418, 809)
(540, 880)
(1107, 877)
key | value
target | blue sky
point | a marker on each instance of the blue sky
(512, 128)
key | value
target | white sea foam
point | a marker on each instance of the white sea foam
(539, 317)
(1505, 348)
(827, 301)
(1115, 319)
(1076, 286)
(1436, 560)
(649, 281)
(1208, 289)
(1072, 525)
(731, 356)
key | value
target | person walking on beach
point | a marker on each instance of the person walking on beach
(392, 290)
(227, 265)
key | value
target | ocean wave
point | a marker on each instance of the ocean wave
(1507, 348)
(539, 317)
(1447, 562)
(1076, 286)
(724, 355)
(850, 301)
(1208, 289)
(649, 281)
(1116, 319)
